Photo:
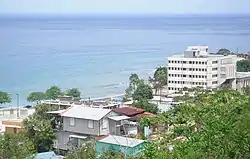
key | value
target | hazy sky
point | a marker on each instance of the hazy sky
(123, 6)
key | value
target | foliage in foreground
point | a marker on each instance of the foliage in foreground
(215, 125)
(15, 146)
(39, 128)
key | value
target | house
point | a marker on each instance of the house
(11, 118)
(64, 102)
(135, 114)
(128, 146)
(78, 124)
(12, 126)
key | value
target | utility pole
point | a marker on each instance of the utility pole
(17, 96)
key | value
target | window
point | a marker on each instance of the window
(90, 124)
(214, 62)
(15, 130)
(72, 121)
(214, 75)
(214, 69)
(214, 82)
(183, 62)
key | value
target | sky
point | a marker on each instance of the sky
(124, 6)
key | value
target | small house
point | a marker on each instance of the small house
(120, 144)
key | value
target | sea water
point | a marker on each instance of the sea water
(98, 53)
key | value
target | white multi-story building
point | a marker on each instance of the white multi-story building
(197, 68)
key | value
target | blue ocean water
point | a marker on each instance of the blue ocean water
(97, 54)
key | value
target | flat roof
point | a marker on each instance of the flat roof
(12, 126)
(242, 74)
(119, 118)
(57, 111)
(122, 141)
(209, 55)
(78, 136)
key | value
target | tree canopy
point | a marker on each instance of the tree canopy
(38, 126)
(36, 97)
(159, 79)
(143, 91)
(243, 66)
(15, 146)
(4, 97)
(73, 92)
(147, 106)
(53, 92)
(215, 125)
(223, 51)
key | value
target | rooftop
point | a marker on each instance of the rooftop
(145, 114)
(119, 118)
(85, 112)
(242, 74)
(120, 140)
(129, 111)
(46, 155)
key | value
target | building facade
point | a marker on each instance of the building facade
(77, 125)
(197, 68)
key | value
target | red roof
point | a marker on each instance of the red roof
(145, 114)
(129, 111)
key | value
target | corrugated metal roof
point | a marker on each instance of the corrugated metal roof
(85, 112)
(120, 140)
(129, 111)
(119, 118)
(46, 155)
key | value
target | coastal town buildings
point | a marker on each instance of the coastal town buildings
(11, 119)
(78, 124)
(125, 145)
(198, 68)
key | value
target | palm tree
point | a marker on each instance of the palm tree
(134, 81)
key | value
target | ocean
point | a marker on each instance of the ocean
(98, 53)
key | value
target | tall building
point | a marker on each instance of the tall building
(197, 68)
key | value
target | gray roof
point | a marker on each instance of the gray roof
(123, 141)
(83, 112)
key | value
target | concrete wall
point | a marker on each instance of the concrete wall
(102, 147)
(206, 72)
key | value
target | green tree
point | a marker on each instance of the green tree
(243, 66)
(246, 90)
(147, 106)
(4, 97)
(15, 146)
(223, 51)
(217, 127)
(53, 92)
(143, 91)
(159, 79)
(134, 80)
(73, 92)
(38, 126)
(36, 97)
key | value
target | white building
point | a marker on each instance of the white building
(197, 68)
